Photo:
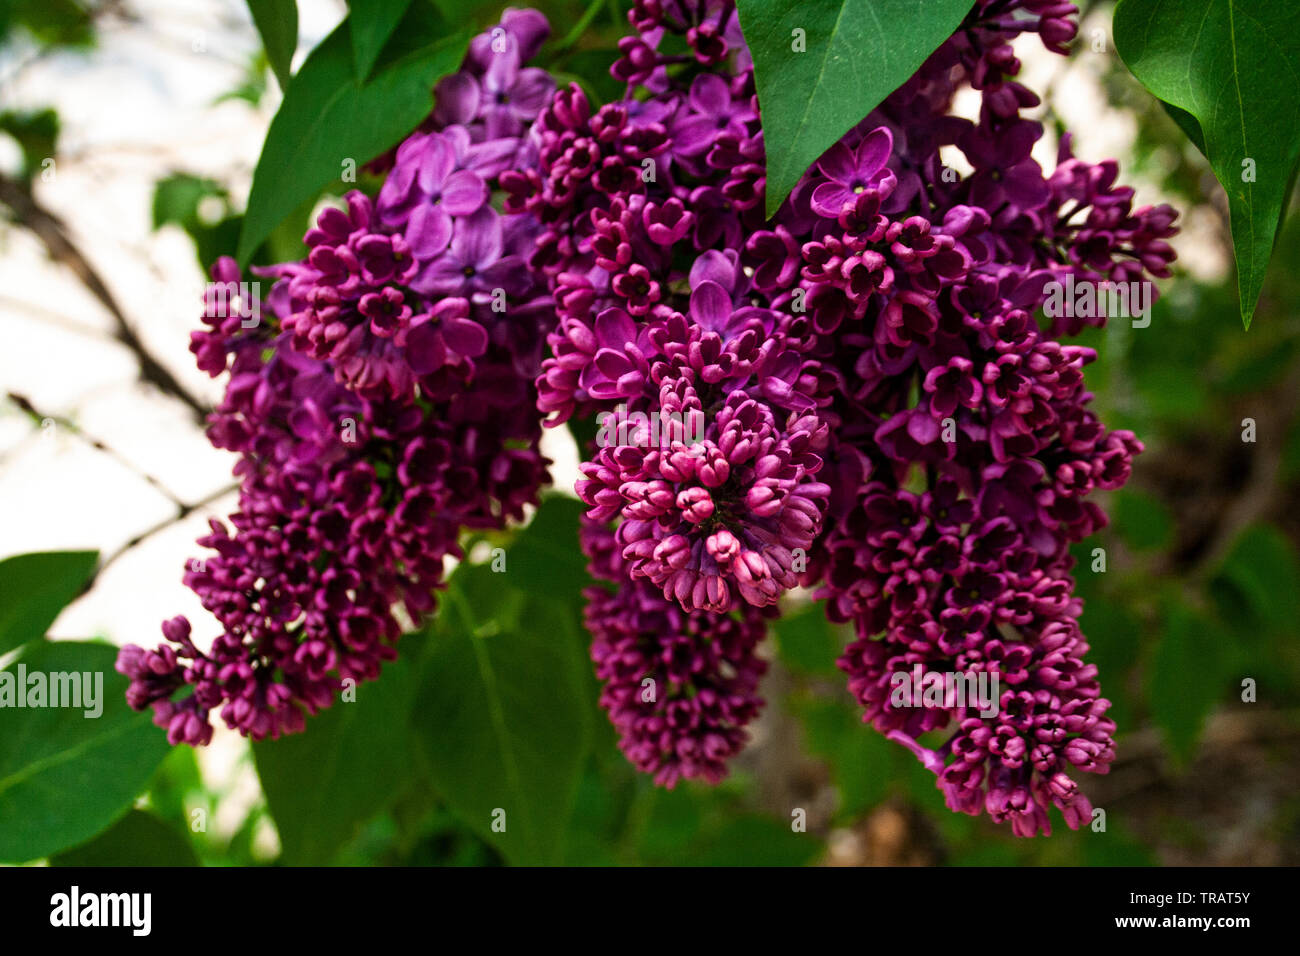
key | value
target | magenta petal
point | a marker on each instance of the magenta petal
(710, 305)
(428, 231)
(612, 364)
(829, 198)
(531, 91)
(714, 266)
(463, 193)
(477, 239)
(873, 152)
(465, 336)
(615, 328)
(436, 164)
(837, 163)
(458, 98)
(710, 95)
(922, 427)
(425, 351)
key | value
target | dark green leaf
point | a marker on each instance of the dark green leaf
(1262, 565)
(858, 52)
(1183, 682)
(34, 588)
(1142, 520)
(504, 718)
(859, 758)
(277, 22)
(37, 134)
(807, 640)
(138, 839)
(753, 840)
(373, 22)
(65, 776)
(328, 118)
(352, 760)
(545, 558)
(1235, 68)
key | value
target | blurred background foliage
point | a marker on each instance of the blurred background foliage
(1199, 594)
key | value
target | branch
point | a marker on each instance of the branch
(183, 511)
(40, 418)
(47, 227)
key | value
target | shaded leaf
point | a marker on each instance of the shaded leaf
(504, 718)
(352, 761)
(373, 22)
(138, 839)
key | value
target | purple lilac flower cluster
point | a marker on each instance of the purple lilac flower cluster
(883, 418)
(855, 398)
(381, 403)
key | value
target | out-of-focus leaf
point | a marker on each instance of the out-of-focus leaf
(37, 135)
(1142, 520)
(807, 640)
(1262, 565)
(65, 776)
(34, 588)
(277, 22)
(138, 839)
(352, 760)
(1184, 679)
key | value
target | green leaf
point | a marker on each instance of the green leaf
(352, 761)
(65, 776)
(1142, 520)
(858, 52)
(1263, 567)
(176, 199)
(138, 839)
(327, 117)
(545, 558)
(504, 716)
(277, 22)
(1234, 67)
(1183, 682)
(34, 588)
(807, 640)
(37, 135)
(753, 840)
(373, 22)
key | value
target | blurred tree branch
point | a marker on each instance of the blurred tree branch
(28, 212)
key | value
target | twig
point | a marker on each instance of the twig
(183, 511)
(54, 236)
(40, 418)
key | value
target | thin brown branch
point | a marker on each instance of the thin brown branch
(39, 418)
(183, 511)
(28, 212)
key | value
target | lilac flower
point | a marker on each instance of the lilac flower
(852, 172)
